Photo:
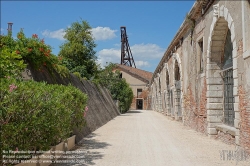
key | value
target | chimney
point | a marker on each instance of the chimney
(10, 28)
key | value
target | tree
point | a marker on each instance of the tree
(118, 87)
(78, 51)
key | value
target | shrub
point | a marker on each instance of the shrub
(62, 70)
(78, 75)
(121, 91)
(11, 64)
(118, 87)
(36, 115)
(34, 51)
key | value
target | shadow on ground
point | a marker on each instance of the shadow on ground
(134, 111)
(84, 153)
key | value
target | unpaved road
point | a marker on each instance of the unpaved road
(148, 138)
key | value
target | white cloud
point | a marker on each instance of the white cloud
(148, 51)
(103, 33)
(142, 64)
(108, 55)
(142, 54)
(58, 34)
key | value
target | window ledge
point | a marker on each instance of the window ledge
(226, 129)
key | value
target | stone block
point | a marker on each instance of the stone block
(235, 64)
(236, 123)
(214, 106)
(212, 131)
(236, 82)
(215, 119)
(221, 11)
(214, 80)
(236, 99)
(235, 73)
(215, 100)
(235, 93)
(215, 87)
(213, 66)
(226, 129)
(213, 73)
(212, 125)
(214, 112)
(234, 53)
(235, 90)
(234, 43)
(230, 21)
(214, 94)
(237, 115)
(236, 106)
(225, 13)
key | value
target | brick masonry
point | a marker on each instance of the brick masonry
(203, 90)
(245, 119)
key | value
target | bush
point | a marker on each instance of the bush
(35, 115)
(62, 70)
(121, 91)
(118, 87)
(78, 75)
(11, 64)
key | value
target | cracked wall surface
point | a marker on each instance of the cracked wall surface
(199, 48)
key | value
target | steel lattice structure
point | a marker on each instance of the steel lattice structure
(126, 54)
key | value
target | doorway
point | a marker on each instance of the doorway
(139, 104)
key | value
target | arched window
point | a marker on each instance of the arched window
(227, 66)
(177, 71)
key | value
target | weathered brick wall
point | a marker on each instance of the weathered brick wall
(195, 114)
(225, 137)
(245, 119)
(190, 109)
(101, 107)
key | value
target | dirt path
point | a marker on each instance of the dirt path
(148, 138)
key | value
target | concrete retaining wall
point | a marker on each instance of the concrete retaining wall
(101, 107)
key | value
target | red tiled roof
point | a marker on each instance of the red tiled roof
(143, 75)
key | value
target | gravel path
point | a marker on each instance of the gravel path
(148, 138)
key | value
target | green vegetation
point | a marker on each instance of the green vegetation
(11, 64)
(117, 86)
(78, 51)
(16, 54)
(37, 115)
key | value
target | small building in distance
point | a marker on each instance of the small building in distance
(139, 81)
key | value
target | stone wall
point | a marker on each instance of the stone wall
(101, 107)
(201, 82)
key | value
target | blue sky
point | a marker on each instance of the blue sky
(150, 25)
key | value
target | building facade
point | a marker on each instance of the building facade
(203, 78)
(138, 80)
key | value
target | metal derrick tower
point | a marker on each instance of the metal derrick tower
(126, 54)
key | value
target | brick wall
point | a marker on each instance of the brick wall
(195, 114)
(245, 119)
